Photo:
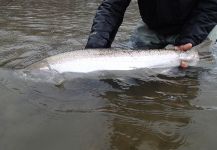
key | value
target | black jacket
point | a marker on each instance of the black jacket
(191, 19)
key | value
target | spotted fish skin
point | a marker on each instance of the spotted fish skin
(90, 60)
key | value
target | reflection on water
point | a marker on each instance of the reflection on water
(140, 111)
(123, 113)
(150, 114)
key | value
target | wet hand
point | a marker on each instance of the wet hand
(185, 47)
(183, 64)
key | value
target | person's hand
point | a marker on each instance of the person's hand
(185, 47)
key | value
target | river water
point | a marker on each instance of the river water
(144, 112)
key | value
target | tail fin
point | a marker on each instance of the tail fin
(204, 46)
(205, 53)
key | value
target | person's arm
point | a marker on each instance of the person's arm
(109, 17)
(202, 20)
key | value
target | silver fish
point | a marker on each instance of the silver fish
(90, 60)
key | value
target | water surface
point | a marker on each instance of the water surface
(143, 111)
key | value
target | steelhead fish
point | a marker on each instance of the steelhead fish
(90, 60)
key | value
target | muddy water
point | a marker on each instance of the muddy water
(156, 112)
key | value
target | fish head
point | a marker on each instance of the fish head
(41, 65)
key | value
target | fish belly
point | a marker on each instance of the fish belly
(86, 65)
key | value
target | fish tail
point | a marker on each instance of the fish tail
(205, 51)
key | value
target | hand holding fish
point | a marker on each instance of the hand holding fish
(185, 47)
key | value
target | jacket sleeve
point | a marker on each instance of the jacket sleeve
(109, 17)
(202, 20)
